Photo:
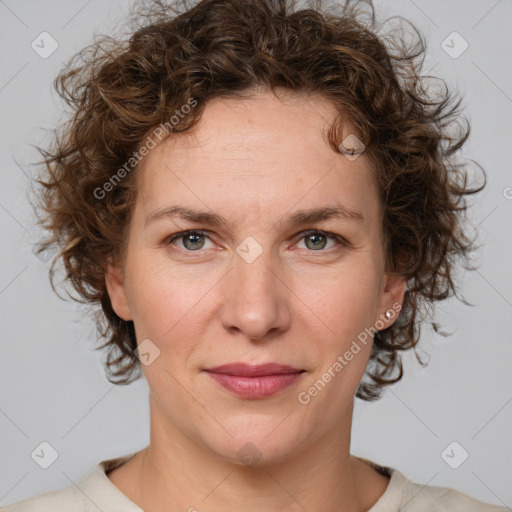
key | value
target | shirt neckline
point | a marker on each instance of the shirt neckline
(104, 490)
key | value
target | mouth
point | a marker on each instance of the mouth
(255, 382)
(247, 370)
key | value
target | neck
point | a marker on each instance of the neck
(178, 473)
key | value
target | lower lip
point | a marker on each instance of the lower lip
(255, 387)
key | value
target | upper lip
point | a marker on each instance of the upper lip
(247, 370)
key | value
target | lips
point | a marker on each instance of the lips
(255, 382)
(246, 370)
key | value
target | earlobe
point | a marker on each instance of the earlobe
(393, 296)
(114, 281)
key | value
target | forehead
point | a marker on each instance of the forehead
(255, 154)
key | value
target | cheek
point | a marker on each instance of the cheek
(342, 302)
(166, 301)
(348, 308)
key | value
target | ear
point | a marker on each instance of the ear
(392, 297)
(114, 280)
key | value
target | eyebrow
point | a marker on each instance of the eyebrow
(299, 217)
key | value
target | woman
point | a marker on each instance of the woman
(264, 201)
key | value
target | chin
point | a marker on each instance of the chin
(256, 441)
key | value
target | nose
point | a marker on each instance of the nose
(256, 299)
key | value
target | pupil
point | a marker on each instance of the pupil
(190, 238)
(315, 245)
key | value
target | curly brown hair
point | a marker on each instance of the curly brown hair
(121, 88)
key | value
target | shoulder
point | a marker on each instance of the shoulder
(409, 496)
(89, 493)
(417, 497)
(69, 499)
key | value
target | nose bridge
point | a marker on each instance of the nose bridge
(254, 273)
(254, 300)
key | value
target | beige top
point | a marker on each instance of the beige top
(94, 491)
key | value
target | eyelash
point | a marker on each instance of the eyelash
(340, 240)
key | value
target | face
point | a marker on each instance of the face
(253, 281)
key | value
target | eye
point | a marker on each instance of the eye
(316, 240)
(192, 240)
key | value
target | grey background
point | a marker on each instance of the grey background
(52, 383)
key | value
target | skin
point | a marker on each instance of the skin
(254, 161)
